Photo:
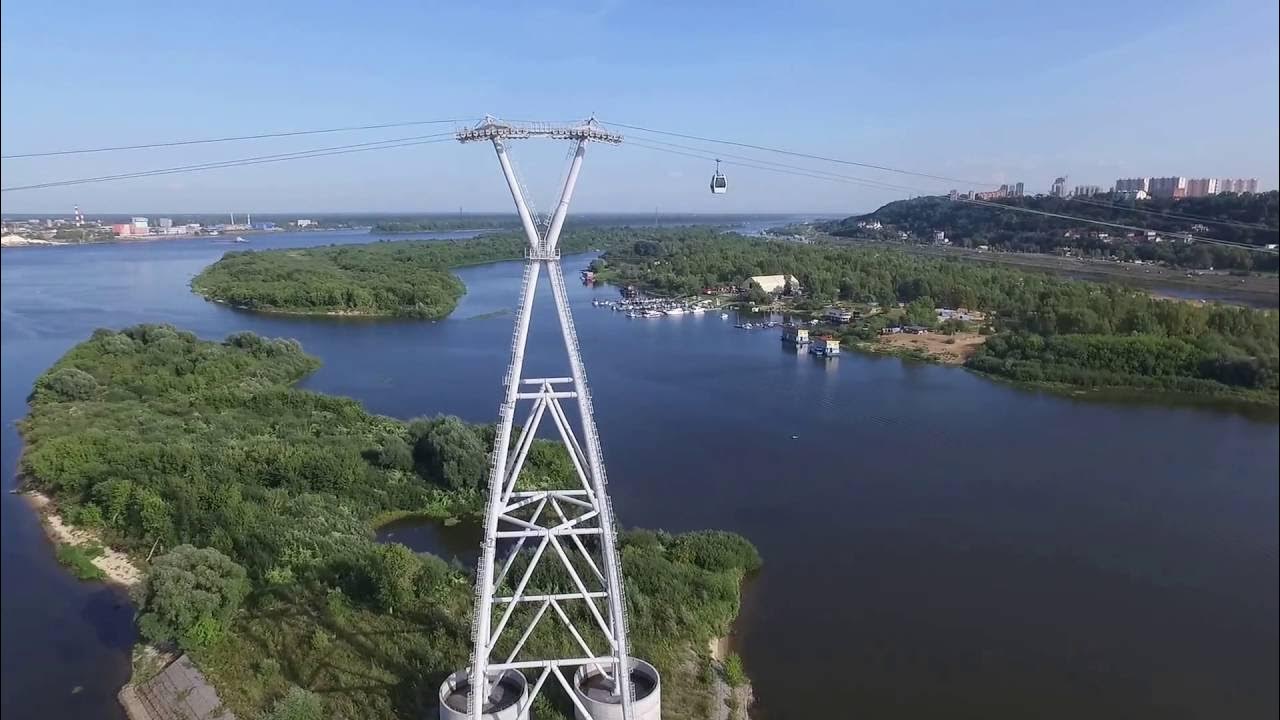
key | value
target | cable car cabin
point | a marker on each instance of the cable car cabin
(719, 185)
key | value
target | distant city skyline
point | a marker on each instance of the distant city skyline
(85, 75)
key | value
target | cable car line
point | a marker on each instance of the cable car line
(783, 169)
(795, 153)
(254, 160)
(1196, 238)
(1177, 216)
(831, 177)
(205, 141)
(869, 181)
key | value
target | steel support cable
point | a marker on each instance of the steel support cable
(715, 154)
(1177, 216)
(253, 160)
(795, 153)
(205, 141)
(830, 177)
(1122, 226)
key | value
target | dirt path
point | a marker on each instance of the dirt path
(115, 565)
(947, 349)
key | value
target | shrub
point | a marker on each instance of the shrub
(734, 673)
(189, 596)
(79, 560)
(297, 704)
(67, 384)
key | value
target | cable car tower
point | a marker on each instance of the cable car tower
(558, 582)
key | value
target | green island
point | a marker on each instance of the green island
(252, 506)
(1036, 328)
(407, 278)
(1249, 219)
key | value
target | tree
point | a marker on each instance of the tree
(67, 384)
(297, 704)
(189, 596)
(395, 575)
(757, 295)
(450, 451)
(396, 454)
(921, 312)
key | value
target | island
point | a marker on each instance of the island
(409, 278)
(1022, 326)
(250, 507)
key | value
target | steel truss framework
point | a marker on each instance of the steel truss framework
(571, 529)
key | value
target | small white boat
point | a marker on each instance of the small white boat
(698, 310)
(240, 240)
(724, 316)
(675, 311)
(652, 313)
(633, 314)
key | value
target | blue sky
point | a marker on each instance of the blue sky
(993, 91)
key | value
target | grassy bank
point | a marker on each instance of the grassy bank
(158, 441)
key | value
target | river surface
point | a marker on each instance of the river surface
(935, 544)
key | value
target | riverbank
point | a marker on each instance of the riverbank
(116, 567)
(730, 701)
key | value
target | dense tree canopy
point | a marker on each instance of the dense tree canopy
(242, 483)
(408, 278)
(189, 596)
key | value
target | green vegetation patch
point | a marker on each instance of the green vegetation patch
(408, 278)
(259, 500)
(1250, 218)
(79, 560)
(1049, 330)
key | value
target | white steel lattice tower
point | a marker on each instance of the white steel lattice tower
(548, 597)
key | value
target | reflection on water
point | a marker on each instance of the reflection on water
(457, 542)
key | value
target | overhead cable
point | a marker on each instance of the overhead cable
(796, 153)
(254, 160)
(1176, 216)
(1122, 226)
(205, 141)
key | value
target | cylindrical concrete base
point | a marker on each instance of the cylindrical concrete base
(595, 692)
(507, 696)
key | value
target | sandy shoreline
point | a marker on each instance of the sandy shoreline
(117, 566)
(935, 345)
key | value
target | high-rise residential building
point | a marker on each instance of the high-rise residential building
(1017, 190)
(1202, 187)
(1238, 185)
(1086, 190)
(1130, 185)
(1004, 191)
(166, 223)
(1059, 187)
(1169, 187)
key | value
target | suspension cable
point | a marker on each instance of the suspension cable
(205, 141)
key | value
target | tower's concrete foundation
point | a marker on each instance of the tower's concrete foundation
(595, 692)
(508, 695)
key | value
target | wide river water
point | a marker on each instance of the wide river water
(935, 544)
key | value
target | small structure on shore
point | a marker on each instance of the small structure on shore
(795, 335)
(838, 315)
(825, 346)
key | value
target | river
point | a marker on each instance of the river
(934, 543)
